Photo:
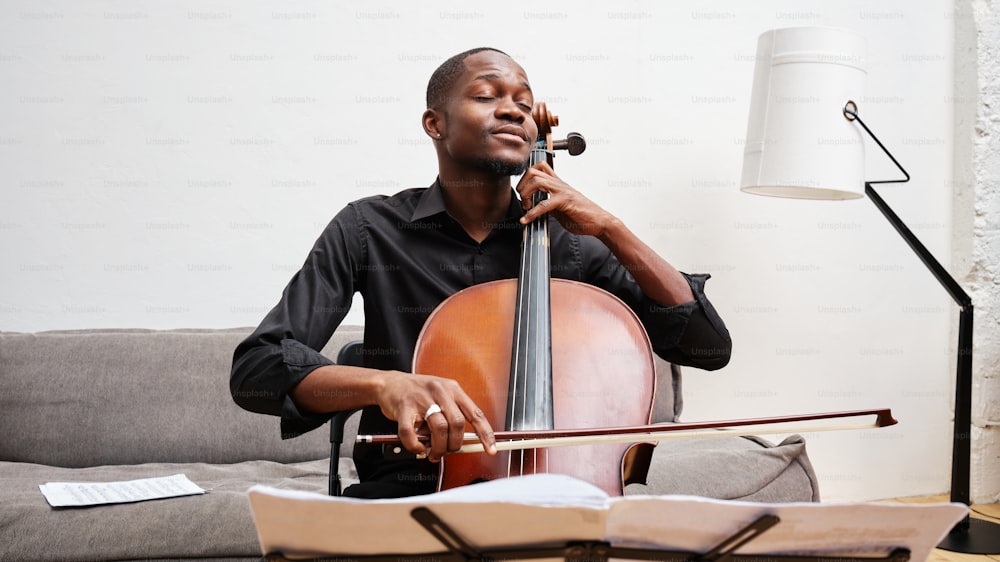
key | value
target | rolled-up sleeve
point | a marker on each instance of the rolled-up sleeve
(690, 333)
(283, 349)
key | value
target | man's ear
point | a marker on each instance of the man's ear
(433, 121)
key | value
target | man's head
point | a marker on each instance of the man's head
(443, 78)
(479, 113)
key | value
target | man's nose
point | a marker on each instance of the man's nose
(508, 109)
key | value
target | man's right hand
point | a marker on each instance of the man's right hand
(407, 398)
(404, 398)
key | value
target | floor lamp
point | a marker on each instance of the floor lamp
(805, 140)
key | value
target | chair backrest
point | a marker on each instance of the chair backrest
(351, 354)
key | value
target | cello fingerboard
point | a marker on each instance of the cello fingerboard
(529, 398)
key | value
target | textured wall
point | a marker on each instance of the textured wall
(977, 222)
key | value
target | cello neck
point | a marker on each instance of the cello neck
(529, 399)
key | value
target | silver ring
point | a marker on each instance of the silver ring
(434, 409)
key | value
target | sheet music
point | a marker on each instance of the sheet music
(549, 510)
(530, 510)
(860, 529)
(79, 494)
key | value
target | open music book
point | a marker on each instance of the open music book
(545, 511)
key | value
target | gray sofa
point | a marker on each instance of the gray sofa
(109, 405)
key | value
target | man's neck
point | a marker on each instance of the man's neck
(478, 203)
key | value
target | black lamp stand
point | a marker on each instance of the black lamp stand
(972, 536)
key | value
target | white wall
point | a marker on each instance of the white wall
(170, 164)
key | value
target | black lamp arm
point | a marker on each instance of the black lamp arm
(940, 273)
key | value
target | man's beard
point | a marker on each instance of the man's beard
(503, 167)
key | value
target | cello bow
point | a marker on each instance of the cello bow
(541, 439)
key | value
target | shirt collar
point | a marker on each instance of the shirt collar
(432, 203)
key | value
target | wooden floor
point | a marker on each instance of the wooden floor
(990, 512)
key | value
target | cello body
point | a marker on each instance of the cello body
(603, 375)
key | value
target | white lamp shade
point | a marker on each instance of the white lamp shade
(799, 143)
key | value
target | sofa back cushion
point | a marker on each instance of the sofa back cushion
(94, 397)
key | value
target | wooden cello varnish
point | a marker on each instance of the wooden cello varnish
(542, 353)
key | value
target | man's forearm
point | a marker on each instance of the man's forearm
(658, 279)
(334, 388)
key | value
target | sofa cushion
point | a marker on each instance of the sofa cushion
(732, 468)
(108, 397)
(215, 524)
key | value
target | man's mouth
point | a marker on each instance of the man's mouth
(511, 132)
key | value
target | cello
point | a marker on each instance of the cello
(539, 354)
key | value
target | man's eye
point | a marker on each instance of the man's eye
(483, 98)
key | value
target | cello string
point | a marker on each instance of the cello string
(520, 310)
(542, 276)
(532, 321)
(528, 326)
(516, 367)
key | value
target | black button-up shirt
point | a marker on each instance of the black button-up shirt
(404, 254)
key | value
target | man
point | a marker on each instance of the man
(407, 253)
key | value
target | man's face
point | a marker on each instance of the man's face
(487, 117)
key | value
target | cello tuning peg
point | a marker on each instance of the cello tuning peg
(574, 143)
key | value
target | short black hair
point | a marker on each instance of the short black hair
(444, 77)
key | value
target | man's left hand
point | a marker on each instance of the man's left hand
(571, 208)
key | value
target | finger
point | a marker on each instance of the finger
(544, 168)
(525, 187)
(543, 206)
(456, 427)
(534, 179)
(408, 432)
(475, 417)
(437, 426)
